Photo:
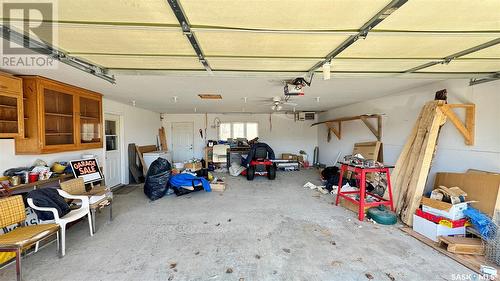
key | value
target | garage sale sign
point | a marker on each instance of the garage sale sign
(88, 169)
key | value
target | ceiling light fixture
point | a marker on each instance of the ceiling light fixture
(326, 70)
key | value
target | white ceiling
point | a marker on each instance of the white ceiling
(156, 92)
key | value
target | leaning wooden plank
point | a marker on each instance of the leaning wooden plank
(147, 148)
(419, 178)
(135, 172)
(141, 160)
(472, 262)
(399, 171)
(406, 163)
(163, 139)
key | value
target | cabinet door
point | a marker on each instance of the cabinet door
(58, 117)
(90, 122)
(11, 115)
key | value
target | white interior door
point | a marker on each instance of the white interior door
(113, 150)
(182, 141)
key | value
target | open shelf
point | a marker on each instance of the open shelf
(89, 117)
(9, 112)
(59, 134)
(58, 114)
(8, 106)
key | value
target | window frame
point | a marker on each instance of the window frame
(245, 123)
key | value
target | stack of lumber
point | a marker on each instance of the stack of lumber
(413, 165)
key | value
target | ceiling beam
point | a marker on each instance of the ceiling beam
(43, 48)
(186, 29)
(362, 33)
(449, 58)
(489, 78)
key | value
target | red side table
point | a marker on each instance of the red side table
(361, 176)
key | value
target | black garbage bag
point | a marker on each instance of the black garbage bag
(157, 178)
(330, 172)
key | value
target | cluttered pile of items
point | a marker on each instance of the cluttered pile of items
(39, 172)
(461, 217)
(161, 180)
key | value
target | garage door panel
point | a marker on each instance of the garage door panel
(215, 43)
(286, 15)
(466, 66)
(390, 46)
(144, 62)
(130, 11)
(260, 64)
(445, 15)
(491, 52)
(374, 65)
(76, 39)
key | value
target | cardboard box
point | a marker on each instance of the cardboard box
(443, 209)
(289, 156)
(351, 206)
(433, 230)
(482, 188)
(218, 186)
(369, 150)
(193, 166)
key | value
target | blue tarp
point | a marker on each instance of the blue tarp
(189, 180)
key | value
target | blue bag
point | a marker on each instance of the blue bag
(186, 179)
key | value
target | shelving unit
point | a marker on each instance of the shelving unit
(11, 107)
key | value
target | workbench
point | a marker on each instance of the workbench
(360, 173)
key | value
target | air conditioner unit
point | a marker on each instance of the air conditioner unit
(303, 116)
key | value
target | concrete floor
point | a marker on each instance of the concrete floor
(260, 230)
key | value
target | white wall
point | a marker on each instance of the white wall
(286, 135)
(139, 126)
(401, 112)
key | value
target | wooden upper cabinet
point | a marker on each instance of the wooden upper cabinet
(90, 129)
(60, 117)
(11, 107)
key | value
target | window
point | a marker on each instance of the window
(248, 130)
